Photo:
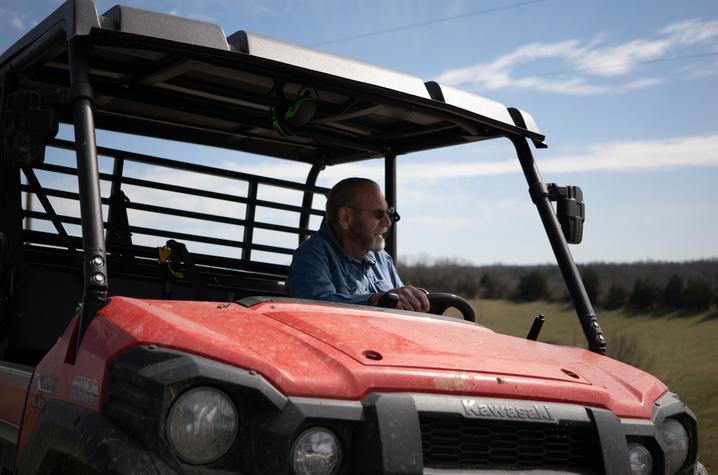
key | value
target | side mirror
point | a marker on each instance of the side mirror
(571, 210)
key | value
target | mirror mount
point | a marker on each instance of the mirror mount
(571, 210)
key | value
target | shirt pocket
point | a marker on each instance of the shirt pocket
(383, 285)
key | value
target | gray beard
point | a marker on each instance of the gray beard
(378, 244)
(371, 243)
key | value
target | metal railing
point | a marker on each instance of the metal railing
(246, 225)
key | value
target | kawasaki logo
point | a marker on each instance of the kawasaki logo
(502, 411)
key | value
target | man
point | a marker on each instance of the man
(345, 261)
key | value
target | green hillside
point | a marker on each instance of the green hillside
(680, 350)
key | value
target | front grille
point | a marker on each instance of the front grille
(455, 442)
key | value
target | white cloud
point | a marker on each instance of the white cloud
(583, 60)
(15, 19)
(615, 156)
(693, 151)
(621, 59)
(692, 31)
(640, 155)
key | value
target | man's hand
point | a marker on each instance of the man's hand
(410, 298)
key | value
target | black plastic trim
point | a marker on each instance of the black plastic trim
(329, 408)
(71, 439)
(667, 406)
(391, 438)
(435, 91)
(144, 381)
(613, 446)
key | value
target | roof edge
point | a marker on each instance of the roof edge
(75, 17)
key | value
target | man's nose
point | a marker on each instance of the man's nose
(385, 221)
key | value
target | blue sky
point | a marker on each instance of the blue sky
(624, 91)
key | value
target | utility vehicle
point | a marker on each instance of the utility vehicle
(130, 345)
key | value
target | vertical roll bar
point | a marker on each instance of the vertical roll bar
(390, 192)
(307, 201)
(540, 197)
(250, 213)
(93, 243)
(117, 171)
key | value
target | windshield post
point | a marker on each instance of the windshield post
(577, 291)
(93, 243)
(390, 195)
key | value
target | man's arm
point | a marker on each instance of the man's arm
(310, 277)
(410, 298)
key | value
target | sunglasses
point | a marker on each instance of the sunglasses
(380, 213)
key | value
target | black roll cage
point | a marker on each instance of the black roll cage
(123, 79)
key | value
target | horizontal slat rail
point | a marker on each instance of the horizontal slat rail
(204, 169)
(164, 233)
(179, 189)
(246, 222)
(174, 212)
(146, 254)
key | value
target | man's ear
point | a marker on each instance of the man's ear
(344, 218)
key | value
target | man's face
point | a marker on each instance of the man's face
(366, 230)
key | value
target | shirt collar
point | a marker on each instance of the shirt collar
(326, 232)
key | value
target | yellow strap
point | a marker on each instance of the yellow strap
(164, 255)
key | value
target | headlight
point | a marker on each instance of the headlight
(202, 425)
(640, 459)
(316, 452)
(675, 436)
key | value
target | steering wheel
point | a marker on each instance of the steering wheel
(439, 303)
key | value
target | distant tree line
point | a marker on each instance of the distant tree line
(689, 286)
(696, 294)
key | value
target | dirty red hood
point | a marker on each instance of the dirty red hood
(347, 352)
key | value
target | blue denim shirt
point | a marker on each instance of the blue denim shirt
(322, 270)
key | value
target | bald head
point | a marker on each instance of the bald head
(347, 193)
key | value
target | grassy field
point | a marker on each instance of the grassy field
(680, 350)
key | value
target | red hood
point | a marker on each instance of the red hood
(345, 353)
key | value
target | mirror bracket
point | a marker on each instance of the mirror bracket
(571, 210)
